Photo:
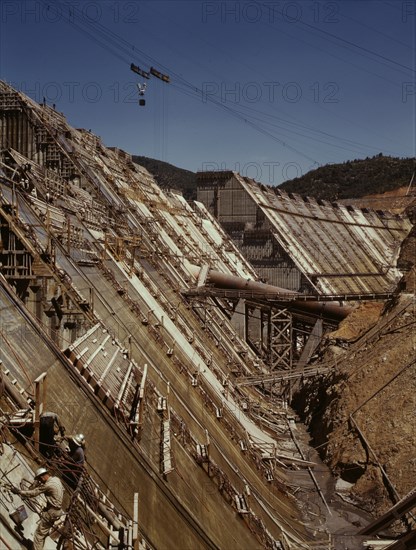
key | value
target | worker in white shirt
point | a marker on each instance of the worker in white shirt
(51, 487)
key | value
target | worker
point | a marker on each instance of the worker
(51, 487)
(77, 448)
(49, 423)
(76, 459)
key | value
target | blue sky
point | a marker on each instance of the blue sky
(270, 89)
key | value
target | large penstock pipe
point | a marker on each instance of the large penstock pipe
(232, 282)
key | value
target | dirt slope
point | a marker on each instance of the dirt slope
(363, 413)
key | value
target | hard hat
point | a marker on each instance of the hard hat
(79, 439)
(40, 472)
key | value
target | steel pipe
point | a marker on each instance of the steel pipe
(263, 290)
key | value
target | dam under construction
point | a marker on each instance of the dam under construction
(177, 338)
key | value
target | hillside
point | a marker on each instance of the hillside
(169, 176)
(361, 415)
(354, 179)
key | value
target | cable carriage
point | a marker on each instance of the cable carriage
(141, 88)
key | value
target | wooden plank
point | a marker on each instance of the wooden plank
(123, 385)
(97, 351)
(108, 367)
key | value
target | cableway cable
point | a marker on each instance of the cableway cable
(123, 50)
(347, 42)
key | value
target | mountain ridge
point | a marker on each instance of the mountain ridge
(354, 179)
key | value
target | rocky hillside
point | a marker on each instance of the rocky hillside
(362, 414)
(354, 179)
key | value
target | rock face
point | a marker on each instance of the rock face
(362, 414)
(361, 319)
